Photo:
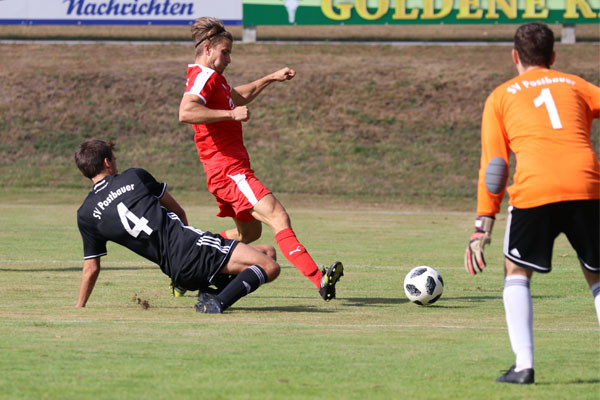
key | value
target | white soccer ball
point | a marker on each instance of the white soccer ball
(423, 285)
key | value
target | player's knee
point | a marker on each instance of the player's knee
(272, 270)
(270, 251)
(510, 268)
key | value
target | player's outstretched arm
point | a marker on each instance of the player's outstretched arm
(244, 94)
(89, 275)
(169, 202)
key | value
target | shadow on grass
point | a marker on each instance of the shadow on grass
(476, 299)
(289, 309)
(370, 301)
(570, 382)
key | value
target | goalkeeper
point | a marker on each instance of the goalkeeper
(544, 117)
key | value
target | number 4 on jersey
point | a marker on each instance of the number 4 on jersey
(545, 98)
(139, 224)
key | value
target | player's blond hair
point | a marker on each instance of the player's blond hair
(208, 29)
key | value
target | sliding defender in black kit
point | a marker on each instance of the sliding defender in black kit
(135, 211)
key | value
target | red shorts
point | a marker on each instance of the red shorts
(236, 193)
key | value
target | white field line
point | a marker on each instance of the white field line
(352, 326)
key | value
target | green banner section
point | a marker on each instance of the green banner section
(395, 12)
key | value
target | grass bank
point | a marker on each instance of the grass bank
(363, 121)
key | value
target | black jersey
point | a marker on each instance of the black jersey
(126, 209)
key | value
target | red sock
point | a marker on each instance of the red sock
(298, 256)
(224, 234)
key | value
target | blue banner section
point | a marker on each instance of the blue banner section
(106, 22)
(117, 12)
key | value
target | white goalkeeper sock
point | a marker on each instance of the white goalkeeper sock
(596, 292)
(519, 317)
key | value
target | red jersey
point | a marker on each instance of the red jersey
(545, 118)
(220, 144)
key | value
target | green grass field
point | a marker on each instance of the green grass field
(283, 341)
(409, 134)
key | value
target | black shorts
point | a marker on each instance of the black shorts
(530, 233)
(203, 261)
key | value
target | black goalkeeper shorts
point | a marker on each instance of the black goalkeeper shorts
(530, 233)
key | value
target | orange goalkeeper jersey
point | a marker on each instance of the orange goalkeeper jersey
(544, 117)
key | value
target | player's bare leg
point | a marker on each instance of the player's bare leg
(593, 280)
(245, 231)
(271, 212)
(266, 249)
(245, 255)
(519, 316)
(223, 280)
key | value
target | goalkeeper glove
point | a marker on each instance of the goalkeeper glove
(474, 261)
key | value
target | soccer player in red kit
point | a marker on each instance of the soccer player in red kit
(544, 117)
(216, 112)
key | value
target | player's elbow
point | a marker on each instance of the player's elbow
(496, 175)
(91, 267)
(184, 117)
(241, 101)
(186, 112)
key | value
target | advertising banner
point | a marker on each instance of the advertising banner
(116, 12)
(363, 12)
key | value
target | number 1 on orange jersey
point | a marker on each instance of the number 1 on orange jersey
(545, 98)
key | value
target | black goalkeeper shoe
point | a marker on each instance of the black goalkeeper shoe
(208, 304)
(523, 377)
(329, 278)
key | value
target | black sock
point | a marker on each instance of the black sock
(244, 283)
(221, 281)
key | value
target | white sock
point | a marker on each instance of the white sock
(596, 292)
(519, 317)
